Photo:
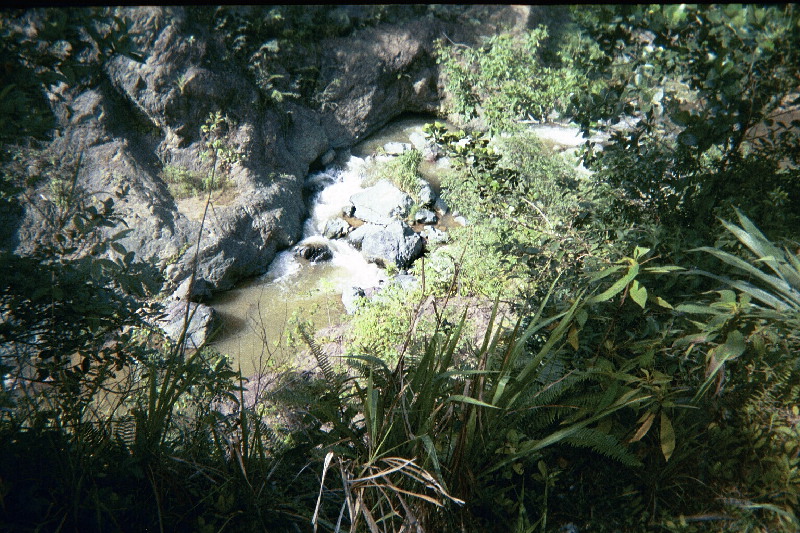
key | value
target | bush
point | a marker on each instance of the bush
(504, 80)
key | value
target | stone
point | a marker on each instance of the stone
(396, 148)
(200, 290)
(461, 220)
(356, 237)
(328, 157)
(394, 244)
(435, 236)
(336, 228)
(314, 252)
(441, 206)
(427, 197)
(418, 140)
(203, 322)
(352, 299)
(381, 203)
(425, 216)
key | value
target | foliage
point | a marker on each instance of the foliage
(532, 218)
(504, 81)
(641, 382)
(402, 170)
(454, 418)
(710, 91)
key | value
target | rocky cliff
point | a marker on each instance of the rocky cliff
(141, 116)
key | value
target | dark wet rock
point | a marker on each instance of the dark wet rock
(314, 252)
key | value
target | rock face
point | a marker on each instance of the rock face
(381, 203)
(395, 244)
(136, 120)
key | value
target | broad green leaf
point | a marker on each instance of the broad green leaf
(667, 436)
(639, 294)
(646, 423)
(617, 287)
(572, 338)
(662, 302)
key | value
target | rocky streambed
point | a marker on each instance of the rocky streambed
(356, 229)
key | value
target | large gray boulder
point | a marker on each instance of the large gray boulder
(357, 236)
(382, 203)
(203, 321)
(395, 244)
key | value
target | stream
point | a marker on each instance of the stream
(256, 315)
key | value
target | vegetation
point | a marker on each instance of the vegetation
(402, 170)
(635, 368)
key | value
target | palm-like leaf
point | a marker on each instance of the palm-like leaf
(778, 290)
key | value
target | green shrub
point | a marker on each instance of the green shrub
(504, 80)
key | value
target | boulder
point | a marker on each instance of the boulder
(200, 290)
(394, 244)
(425, 216)
(418, 140)
(203, 321)
(336, 228)
(315, 252)
(381, 203)
(352, 298)
(427, 198)
(441, 206)
(356, 237)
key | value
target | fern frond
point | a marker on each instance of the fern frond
(323, 361)
(604, 444)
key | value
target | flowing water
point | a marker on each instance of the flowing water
(256, 315)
